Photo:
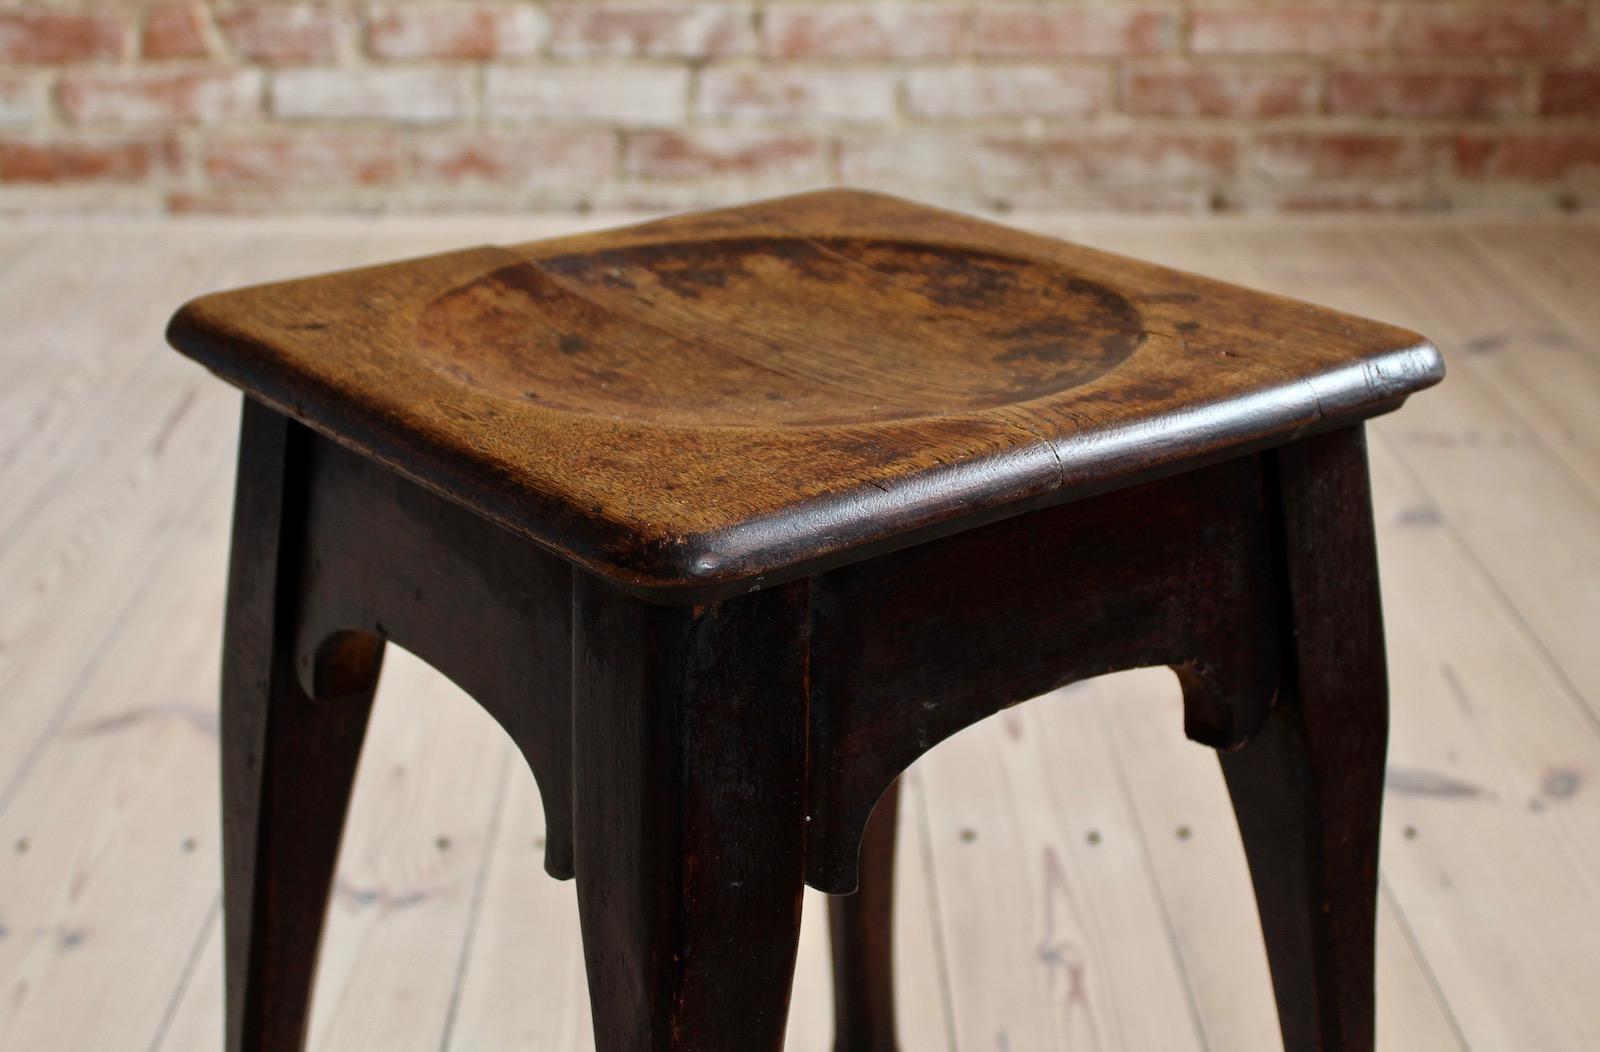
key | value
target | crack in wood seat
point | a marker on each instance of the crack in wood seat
(697, 404)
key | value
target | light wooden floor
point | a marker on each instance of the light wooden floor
(1071, 878)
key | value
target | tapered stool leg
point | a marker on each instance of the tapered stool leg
(862, 926)
(288, 760)
(689, 729)
(1308, 788)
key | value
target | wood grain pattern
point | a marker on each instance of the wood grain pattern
(1027, 810)
(721, 751)
(1493, 691)
(113, 568)
(1476, 501)
(689, 814)
(692, 403)
(482, 605)
(914, 646)
(862, 928)
(288, 757)
(1308, 787)
(700, 797)
(111, 574)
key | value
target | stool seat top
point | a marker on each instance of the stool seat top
(704, 403)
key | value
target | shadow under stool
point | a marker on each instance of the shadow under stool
(728, 518)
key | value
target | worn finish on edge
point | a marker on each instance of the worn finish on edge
(713, 400)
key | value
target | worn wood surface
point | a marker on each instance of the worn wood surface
(862, 930)
(1308, 786)
(688, 404)
(1502, 685)
(701, 762)
(1136, 936)
(483, 606)
(288, 755)
(689, 814)
(917, 645)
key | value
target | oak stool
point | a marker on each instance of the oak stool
(728, 518)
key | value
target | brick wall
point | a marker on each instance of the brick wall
(462, 104)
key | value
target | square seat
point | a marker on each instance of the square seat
(699, 405)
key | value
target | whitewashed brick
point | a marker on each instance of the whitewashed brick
(642, 95)
(156, 96)
(406, 96)
(21, 99)
(967, 93)
(847, 95)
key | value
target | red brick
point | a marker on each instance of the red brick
(986, 162)
(411, 96)
(1457, 31)
(279, 158)
(177, 31)
(1139, 157)
(155, 96)
(1338, 155)
(1293, 30)
(1075, 32)
(864, 31)
(1570, 93)
(71, 161)
(723, 152)
(778, 94)
(531, 158)
(462, 31)
(1471, 153)
(1407, 93)
(285, 34)
(1219, 92)
(1532, 157)
(652, 95)
(22, 98)
(1005, 92)
(57, 36)
(693, 30)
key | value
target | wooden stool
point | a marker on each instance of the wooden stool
(730, 517)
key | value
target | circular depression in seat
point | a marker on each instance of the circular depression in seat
(776, 331)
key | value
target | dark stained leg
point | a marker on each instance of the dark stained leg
(862, 926)
(288, 761)
(1308, 787)
(689, 817)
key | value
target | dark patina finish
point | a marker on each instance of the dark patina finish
(729, 518)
